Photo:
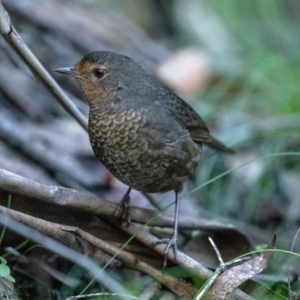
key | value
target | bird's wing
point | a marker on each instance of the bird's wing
(191, 121)
(185, 116)
(165, 137)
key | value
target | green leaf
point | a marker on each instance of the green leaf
(4, 271)
(10, 278)
(3, 260)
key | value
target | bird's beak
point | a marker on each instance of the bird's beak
(68, 71)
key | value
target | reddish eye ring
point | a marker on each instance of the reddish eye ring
(99, 73)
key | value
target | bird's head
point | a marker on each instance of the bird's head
(102, 75)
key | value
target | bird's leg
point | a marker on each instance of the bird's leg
(124, 205)
(172, 242)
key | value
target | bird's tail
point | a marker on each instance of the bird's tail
(214, 143)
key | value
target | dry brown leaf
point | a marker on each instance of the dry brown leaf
(186, 72)
(230, 279)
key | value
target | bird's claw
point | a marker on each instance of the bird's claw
(124, 206)
(170, 243)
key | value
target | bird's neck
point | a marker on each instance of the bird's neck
(104, 105)
(100, 101)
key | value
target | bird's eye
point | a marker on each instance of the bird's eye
(99, 73)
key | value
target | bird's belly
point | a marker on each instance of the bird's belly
(143, 170)
(126, 147)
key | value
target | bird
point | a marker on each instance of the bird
(146, 136)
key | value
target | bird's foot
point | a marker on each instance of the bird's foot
(170, 243)
(124, 207)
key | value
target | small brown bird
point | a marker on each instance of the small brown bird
(148, 138)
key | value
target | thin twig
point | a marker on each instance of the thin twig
(218, 271)
(216, 251)
(15, 41)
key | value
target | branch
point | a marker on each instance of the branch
(69, 198)
(8, 220)
(66, 197)
(68, 235)
(15, 41)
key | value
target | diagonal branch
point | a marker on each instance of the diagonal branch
(15, 41)
(66, 197)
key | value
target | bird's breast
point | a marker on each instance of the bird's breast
(113, 131)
